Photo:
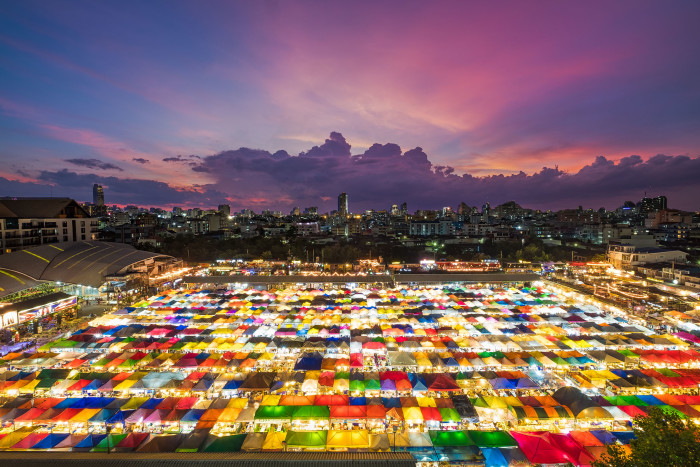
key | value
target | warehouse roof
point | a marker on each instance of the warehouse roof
(85, 263)
(13, 281)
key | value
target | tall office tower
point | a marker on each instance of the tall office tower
(98, 195)
(343, 204)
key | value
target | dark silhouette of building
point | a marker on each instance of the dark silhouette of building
(98, 195)
(343, 204)
(653, 204)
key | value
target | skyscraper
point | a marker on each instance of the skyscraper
(98, 195)
(343, 204)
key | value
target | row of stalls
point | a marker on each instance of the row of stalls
(492, 448)
(452, 373)
(566, 408)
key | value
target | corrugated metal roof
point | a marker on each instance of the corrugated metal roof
(85, 263)
(13, 281)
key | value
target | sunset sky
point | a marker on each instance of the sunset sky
(275, 104)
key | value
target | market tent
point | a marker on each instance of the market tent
(15, 437)
(274, 441)
(348, 412)
(193, 441)
(493, 457)
(260, 381)
(69, 442)
(253, 442)
(311, 412)
(274, 412)
(574, 399)
(231, 443)
(30, 440)
(50, 441)
(542, 447)
(350, 439)
(107, 443)
(162, 443)
(130, 442)
(451, 438)
(492, 439)
(307, 439)
(89, 442)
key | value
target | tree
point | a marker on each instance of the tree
(663, 438)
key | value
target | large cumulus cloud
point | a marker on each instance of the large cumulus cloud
(382, 175)
(385, 174)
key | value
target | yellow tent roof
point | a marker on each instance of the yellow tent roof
(83, 415)
(426, 402)
(347, 439)
(274, 441)
(15, 437)
(237, 403)
(29, 387)
(412, 414)
(270, 399)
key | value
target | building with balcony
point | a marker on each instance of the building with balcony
(30, 222)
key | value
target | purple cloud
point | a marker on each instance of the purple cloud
(94, 164)
(140, 160)
(384, 174)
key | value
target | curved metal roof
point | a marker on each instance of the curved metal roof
(13, 281)
(85, 263)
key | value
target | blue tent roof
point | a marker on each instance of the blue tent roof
(192, 415)
(67, 403)
(151, 403)
(502, 383)
(391, 402)
(50, 441)
(233, 384)
(493, 457)
(418, 382)
(308, 364)
(605, 437)
(90, 441)
(624, 436)
(120, 416)
(649, 399)
(103, 415)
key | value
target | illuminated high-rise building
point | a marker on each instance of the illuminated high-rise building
(98, 195)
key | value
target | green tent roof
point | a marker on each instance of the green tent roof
(451, 438)
(449, 415)
(492, 439)
(274, 412)
(225, 443)
(113, 441)
(311, 412)
(357, 385)
(307, 439)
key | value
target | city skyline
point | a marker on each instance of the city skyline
(553, 106)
